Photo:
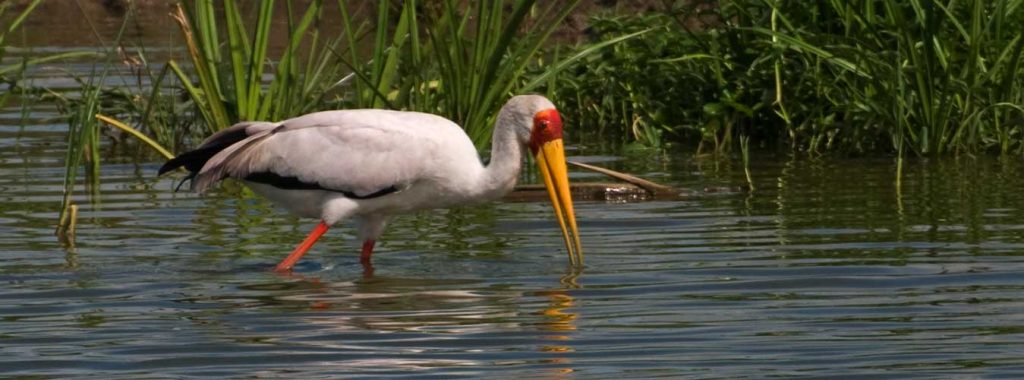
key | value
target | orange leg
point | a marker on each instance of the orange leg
(289, 262)
(367, 251)
(365, 257)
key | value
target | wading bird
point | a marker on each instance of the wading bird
(371, 165)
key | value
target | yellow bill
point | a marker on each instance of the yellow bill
(551, 160)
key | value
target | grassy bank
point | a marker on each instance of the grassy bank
(923, 77)
(845, 77)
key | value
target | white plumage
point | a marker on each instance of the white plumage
(373, 164)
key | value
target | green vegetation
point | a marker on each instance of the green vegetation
(83, 135)
(83, 141)
(920, 76)
(457, 61)
(852, 77)
(230, 72)
(917, 77)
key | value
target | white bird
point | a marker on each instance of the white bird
(371, 165)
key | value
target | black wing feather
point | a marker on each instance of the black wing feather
(194, 160)
(293, 183)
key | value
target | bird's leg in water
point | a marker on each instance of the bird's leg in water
(289, 262)
(367, 251)
(365, 258)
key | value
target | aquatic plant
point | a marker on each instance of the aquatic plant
(949, 81)
(83, 148)
(446, 65)
(459, 60)
(84, 109)
(478, 70)
(230, 72)
(83, 135)
(852, 76)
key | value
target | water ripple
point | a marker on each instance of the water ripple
(826, 273)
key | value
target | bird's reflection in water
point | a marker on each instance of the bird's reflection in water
(446, 309)
(385, 303)
(559, 320)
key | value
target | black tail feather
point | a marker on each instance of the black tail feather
(193, 161)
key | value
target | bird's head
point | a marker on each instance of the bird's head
(544, 138)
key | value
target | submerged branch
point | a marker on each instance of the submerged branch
(634, 188)
(650, 187)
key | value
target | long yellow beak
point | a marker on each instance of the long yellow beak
(551, 160)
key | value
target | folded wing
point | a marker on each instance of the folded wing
(361, 153)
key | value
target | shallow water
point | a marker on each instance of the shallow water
(828, 269)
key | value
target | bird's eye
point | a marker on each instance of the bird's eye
(543, 124)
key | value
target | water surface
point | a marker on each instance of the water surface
(831, 268)
(828, 269)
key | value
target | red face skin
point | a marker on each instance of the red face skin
(547, 126)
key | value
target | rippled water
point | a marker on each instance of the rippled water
(827, 270)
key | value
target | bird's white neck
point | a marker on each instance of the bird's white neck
(499, 177)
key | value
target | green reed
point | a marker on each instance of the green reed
(945, 76)
(849, 76)
(478, 69)
(460, 60)
(230, 69)
(87, 109)
(83, 138)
